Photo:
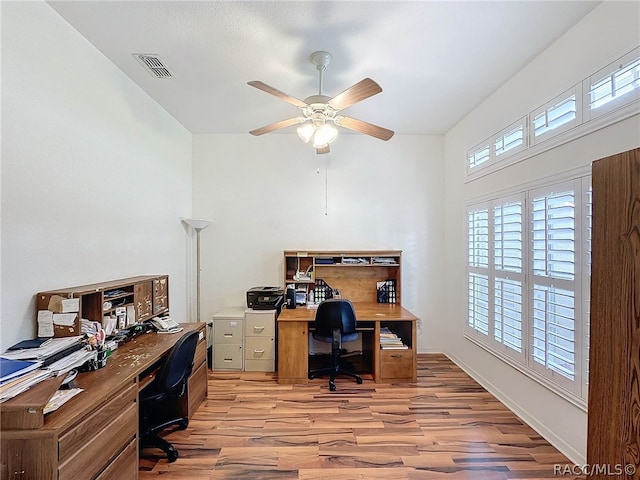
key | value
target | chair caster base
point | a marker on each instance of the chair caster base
(172, 456)
(359, 381)
(332, 386)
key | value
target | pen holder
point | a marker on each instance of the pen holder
(96, 363)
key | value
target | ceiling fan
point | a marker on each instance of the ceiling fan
(320, 113)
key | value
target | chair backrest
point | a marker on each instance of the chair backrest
(177, 367)
(335, 313)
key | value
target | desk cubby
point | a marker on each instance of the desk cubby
(140, 298)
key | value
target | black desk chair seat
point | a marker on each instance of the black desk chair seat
(335, 323)
(160, 405)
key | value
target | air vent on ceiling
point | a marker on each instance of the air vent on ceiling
(154, 65)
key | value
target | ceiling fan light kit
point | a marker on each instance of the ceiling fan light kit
(320, 113)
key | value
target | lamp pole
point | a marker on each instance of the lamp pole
(198, 226)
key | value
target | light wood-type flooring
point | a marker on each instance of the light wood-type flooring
(445, 426)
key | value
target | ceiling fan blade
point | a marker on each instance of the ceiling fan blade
(274, 91)
(364, 127)
(363, 89)
(322, 150)
(275, 126)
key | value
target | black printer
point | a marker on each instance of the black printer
(265, 298)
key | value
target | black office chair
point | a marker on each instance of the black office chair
(335, 323)
(160, 405)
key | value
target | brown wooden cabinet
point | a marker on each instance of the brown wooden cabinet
(131, 300)
(614, 353)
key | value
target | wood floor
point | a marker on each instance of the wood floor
(445, 426)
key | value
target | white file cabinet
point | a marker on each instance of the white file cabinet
(259, 340)
(228, 328)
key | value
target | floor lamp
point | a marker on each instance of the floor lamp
(197, 225)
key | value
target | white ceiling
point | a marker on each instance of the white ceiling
(435, 60)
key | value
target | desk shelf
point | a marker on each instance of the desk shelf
(356, 281)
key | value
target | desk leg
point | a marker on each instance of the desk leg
(376, 353)
(293, 352)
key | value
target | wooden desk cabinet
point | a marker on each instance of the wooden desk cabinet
(95, 434)
(386, 365)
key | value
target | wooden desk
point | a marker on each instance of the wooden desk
(95, 434)
(387, 365)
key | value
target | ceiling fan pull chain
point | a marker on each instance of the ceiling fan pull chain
(326, 189)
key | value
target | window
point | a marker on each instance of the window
(614, 86)
(511, 140)
(558, 116)
(508, 278)
(609, 95)
(478, 156)
(527, 273)
(478, 228)
(586, 281)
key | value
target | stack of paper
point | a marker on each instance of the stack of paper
(22, 368)
(71, 361)
(16, 376)
(20, 384)
(46, 351)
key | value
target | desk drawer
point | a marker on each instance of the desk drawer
(197, 389)
(101, 447)
(260, 323)
(227, 331)
(124, 465)
(76, 438)
(200, 355)
(227, 357)
(396, 364)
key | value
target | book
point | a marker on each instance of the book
(15, 368)
(33, 343)
(394, 347)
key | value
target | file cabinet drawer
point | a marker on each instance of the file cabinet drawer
(260, 323)
(251, 365)
(227, 331)
(260, 348)
(227, 357)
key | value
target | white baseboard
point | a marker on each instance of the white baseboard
(567, 450)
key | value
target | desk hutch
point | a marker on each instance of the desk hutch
(372, 281)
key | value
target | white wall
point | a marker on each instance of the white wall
(265, 196)
(606, 33)
(95, 175)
